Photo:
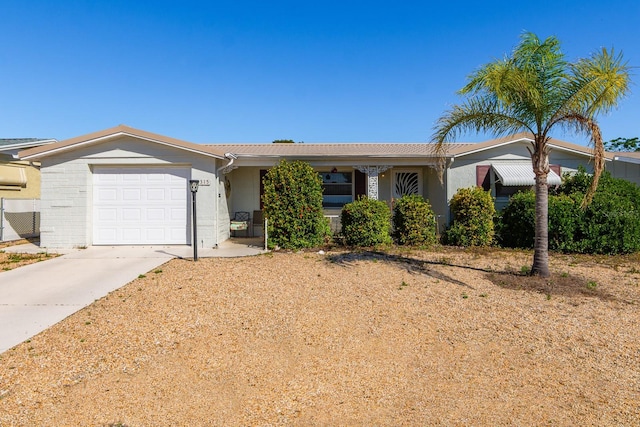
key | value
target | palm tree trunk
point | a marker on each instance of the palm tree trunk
(541, 243)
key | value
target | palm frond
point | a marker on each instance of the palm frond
(535, 90)
(598, 83)
(586, 126)
(476, 115)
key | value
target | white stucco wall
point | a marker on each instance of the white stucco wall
(436, 193)
(245, 189)
(462, 173)
(67, 189)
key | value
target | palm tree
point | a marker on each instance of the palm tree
(534, 91)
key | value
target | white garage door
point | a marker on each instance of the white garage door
(145, 205)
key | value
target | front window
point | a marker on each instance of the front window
(337, 189)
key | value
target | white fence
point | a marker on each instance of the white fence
(19, 219)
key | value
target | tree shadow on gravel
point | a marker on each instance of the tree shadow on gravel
(557, 285)
(564, 284)
(412, 265)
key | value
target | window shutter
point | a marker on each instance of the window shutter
(482, 176)
(360, 184)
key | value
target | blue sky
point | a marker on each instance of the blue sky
(255, 71)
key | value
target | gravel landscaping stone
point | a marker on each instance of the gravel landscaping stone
(448, 337)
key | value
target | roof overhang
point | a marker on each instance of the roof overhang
(521, 175)
(23, 145)
(115, 133)
(555, 144)
(627, 159)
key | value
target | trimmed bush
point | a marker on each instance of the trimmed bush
(366, 222)
(472, 211)
(414, 221)
(565, 222)
(293, 206)
(516, 226)
(609, 225)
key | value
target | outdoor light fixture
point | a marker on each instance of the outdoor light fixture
(194, 183)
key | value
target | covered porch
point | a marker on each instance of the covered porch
(341, 185)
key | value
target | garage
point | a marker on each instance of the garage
(140, 205)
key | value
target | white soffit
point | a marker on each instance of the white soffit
(520, 175)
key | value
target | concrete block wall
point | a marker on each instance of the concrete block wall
(64, 199)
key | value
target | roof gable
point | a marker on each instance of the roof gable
(554, 144)
(113, 133)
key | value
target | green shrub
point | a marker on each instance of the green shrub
(414, 221)
(366, 222)
(472, 211)
(609, 225)
(565, 222)
(293, 206)
(516, 225)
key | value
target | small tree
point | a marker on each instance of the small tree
(366, 222)
(623, 144)
(472, 210)
(535, 90)
(293, 206)
(414, 221)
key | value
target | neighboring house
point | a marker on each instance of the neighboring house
(19, 189)
(127, 186)
(626, 165)
(19, 179)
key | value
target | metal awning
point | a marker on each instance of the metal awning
(520, 175)
(12, 175)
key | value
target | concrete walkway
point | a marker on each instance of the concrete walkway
(37, 296)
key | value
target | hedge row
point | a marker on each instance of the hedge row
(367, 222)
(609, 225)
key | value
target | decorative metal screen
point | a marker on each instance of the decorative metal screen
(406, 183)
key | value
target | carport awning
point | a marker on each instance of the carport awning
(520, 175)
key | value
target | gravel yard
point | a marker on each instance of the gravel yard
(410, 338)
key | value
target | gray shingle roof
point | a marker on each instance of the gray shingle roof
(16, 141)
(15, 144)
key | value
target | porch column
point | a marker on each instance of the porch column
(372, 178)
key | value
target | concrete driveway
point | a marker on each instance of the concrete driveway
(37, 296)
